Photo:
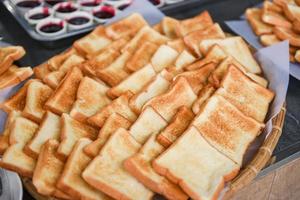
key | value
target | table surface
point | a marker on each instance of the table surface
(288, 144)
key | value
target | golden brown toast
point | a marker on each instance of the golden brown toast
(4, 136)
(37, 95)
(275, 18)
(193, 158)
(282, 2)
(49, 128)
(119, 105)
(273, 6)
(205, 93)
(71, 181)
(163, 57)
(292, 12)
(22, 130)
(176, 127)
(107, 174)
(55, 62)
(133, 83)
(14, 75)
(71, 131)
(169, 26)
(91, 97)
(112, 123)
(177, 44)
(184, 59)
(41, 70)
(180, 94)
(297, 56)
(64, 96)
(48, 170)
(268, 39)
(259, 27)
(8, 55)
(288, 34)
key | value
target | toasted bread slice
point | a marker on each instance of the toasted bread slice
(288, 34)
(292, 12)
(193, 158)
(227, 128)
(157, 86)
(48, 170)
(41, 70)
(91, 97)
(249, 97)
(115, 72)
(14, 158)
(205, 93)
(198, 22)
(37, 95)
(237, 48)
(93, 42)
(107, 174)
(141, 56)
(169, 26)
(133, 83)
(143, 127)
(184, 59)
(139, 166)
(177, 126)
(145, 34)
(177, 44)
(8, 55)
(14, 75)
(119, 105)
(297, 56)
(268, 39)
(126, 26)
(275, 18)
(158, 27)
(273, 6)
(50, 128)
(180, 94)
(113, 122)
(55, 62)
(198, 78)
(71, 181)
(193, 39)
(53, 79)
(296, 25)
(4, 137)
(72, 130)
(259, 27)
(64, 96)
(163, 57)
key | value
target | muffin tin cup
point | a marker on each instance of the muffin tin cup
(24, 10)
(86, 15)
(64, 15)
(104, 8)
(37, 10)
(48, 21)
(83, 6)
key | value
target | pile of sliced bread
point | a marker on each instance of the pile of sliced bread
(10, 74)
(276, 21)
(130, 111)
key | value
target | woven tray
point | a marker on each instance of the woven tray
(246, 175)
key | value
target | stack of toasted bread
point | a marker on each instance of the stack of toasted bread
(277, 20)
(10, 74)
(132, 110)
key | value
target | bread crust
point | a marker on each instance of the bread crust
(15, 53)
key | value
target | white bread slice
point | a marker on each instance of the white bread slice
(119, 105)
(198, 78)
(71, 181)
(141, 56)
(249, 97)
(268, 39)
(64, 96)
(133, 83)
(49, 129)
(14, 75)
(259, 27)
(169, 26)
(144, 127)
(184, 59)
(4, 137)
(176, 127)
(93, 42)
(107, 174)
(180, 94)
(126, 26)
(71, 131)
(91, 97)
(157, 86)
(163, 57)
(8, 55)
(145, 34)
(48, 170)
(139, 166)
(205, 93)
(199, 22)
(198, 168)
(37, 95)
(113, 122)
(55, 62)
(193, 39)
(115, 72)
(41, 70)
(14, 158)
(237, 48)
(226, 128)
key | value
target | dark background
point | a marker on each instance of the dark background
(220, 10)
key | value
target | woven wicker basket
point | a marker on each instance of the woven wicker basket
(245, 176)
